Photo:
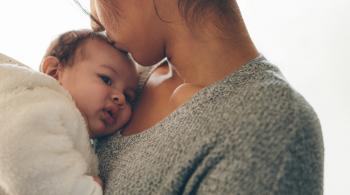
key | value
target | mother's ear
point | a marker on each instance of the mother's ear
(50, 65)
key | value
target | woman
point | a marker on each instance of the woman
(216, 117)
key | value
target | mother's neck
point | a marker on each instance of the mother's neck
(204, 58)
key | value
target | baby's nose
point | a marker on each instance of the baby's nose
(119, 99)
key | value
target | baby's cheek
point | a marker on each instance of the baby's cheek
(129, 114)
(126, 116)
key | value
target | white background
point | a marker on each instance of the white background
(307, 39)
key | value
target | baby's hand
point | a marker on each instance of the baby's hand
(98, 180)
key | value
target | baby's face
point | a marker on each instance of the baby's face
(102, 82)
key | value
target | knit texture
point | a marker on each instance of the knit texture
(250, 133)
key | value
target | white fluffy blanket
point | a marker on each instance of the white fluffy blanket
(44, 144)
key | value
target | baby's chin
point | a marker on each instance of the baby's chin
(97, 131)
(102, 131)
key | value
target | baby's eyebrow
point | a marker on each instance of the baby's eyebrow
(110, 68)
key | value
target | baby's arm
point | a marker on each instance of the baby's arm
(43, 149)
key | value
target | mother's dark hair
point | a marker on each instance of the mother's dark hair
(224, 14)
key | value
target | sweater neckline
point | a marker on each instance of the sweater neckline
(199, 98)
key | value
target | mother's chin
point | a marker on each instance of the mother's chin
(149, 58)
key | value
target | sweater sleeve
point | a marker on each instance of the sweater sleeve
(283, 155)
(301, 171)
(295, 170)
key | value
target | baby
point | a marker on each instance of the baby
(47, 119)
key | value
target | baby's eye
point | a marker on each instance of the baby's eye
(106, 80)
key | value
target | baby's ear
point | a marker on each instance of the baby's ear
(50, 65)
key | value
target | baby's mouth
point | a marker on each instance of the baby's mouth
(109, 117)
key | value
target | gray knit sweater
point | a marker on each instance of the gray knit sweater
(250, 133)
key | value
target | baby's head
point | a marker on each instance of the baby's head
(100, 78)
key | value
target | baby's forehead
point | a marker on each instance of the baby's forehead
(118, 59)
(83, 50)
(88, 47)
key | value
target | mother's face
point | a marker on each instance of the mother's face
(134, 26)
